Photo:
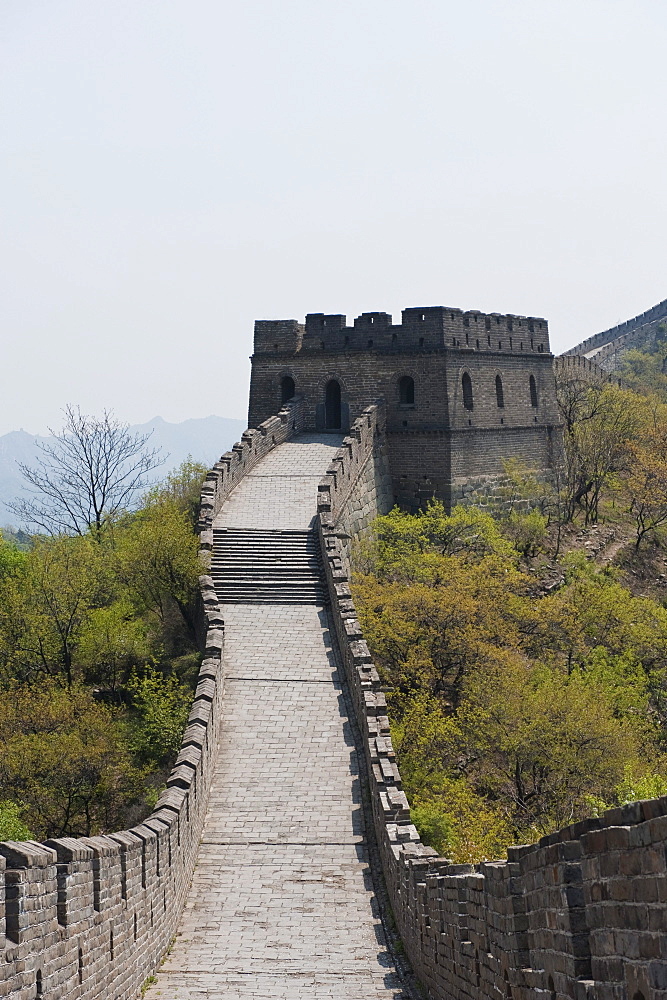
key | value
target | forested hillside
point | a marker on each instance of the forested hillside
(98, 656)
(523, 640)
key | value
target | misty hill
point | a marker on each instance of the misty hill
(205, 439)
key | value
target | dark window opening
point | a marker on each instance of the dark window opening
(466, 321)
(500, 396)
(533, 391)
(531, 327)
(478, 345)
(510, 343)
(80, 966)
(287, 388)
(322, 344)
(332, 407)
(111, 951)
(421, 341)
(489, 340)
(370, 343)
(466, 385)
(510, 325)
(487, 323)
(135, 927)
(500, 345)
(406, 390)
(532, 345)
(38, 983)
(467, 339)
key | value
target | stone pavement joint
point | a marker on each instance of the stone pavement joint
(282, 904)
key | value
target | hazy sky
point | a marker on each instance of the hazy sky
(170, 171)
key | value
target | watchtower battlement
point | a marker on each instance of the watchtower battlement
(464, 390)
(425, 328)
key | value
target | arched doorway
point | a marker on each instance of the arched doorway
(332, 407)
(287, 388)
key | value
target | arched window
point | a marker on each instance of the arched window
(533, 391)
(500, 396)
(287, 388)
(466, 385)
(332, 407)
(406, 391)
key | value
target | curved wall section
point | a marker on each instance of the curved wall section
(580, 914)
(605, 345)
(91, 918)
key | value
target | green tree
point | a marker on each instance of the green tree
(44, 607)
(163, 706)
(12, 826)
(64, 756)
(157, 559)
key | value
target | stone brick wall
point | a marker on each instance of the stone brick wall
(357, 486)
(581, 914)
(91, 918)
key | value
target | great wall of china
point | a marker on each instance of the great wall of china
(280, 861)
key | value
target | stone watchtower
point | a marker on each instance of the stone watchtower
(463, 390)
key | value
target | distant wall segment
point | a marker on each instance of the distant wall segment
(607, 348)
(581, 914)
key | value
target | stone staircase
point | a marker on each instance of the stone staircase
(257, 566)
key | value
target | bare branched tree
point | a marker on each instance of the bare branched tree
(87, 473)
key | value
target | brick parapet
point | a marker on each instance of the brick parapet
(583, 367)
(229, 470)
(581, 913)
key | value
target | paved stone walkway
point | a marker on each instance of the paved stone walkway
(281, 905)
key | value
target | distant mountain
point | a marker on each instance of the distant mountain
(204, 438)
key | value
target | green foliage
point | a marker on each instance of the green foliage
(12, 558)
(162, 706)
(112, 640)
(12, 826)
(156, 554)
(90, 620)
(63, 756)
(527, 530)
(511, 716)
(183, 488)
